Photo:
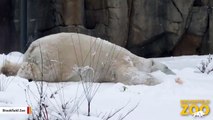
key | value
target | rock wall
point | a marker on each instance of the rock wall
(8, 34)
(148, 28)
(210, 40)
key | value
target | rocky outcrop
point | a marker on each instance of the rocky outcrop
(147, 28)
(199, 21)
(210, 43)
(182, 47)
(8, 33)
(194, 40)
(109, 19)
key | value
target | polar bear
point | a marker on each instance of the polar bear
(199, 114)
(54, 57)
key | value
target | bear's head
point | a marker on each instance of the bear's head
(149, 65)
(159, 66)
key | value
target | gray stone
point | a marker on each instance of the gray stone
(188, 45)
(199, 20)
(178, 14)
(210, 42)
(162, 22)
(95, 4)
(8, 35)
(118, 22)
(144, 22)
(73, 12)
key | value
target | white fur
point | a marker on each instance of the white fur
(52, 59)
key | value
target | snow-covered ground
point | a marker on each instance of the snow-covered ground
(137, 102)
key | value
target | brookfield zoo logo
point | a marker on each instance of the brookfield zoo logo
(196, 108)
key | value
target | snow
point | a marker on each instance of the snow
(159, 102)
